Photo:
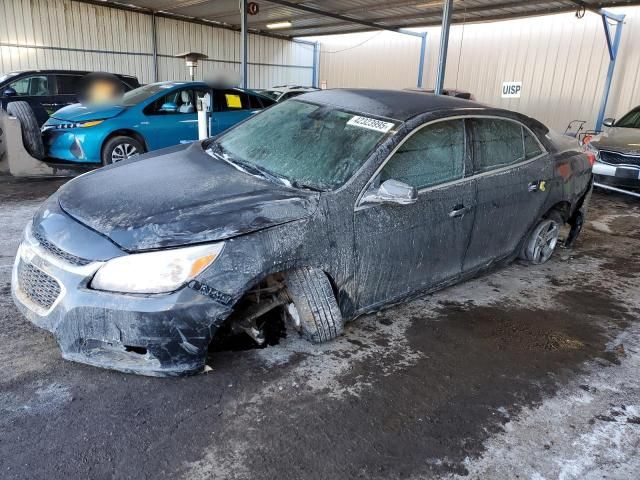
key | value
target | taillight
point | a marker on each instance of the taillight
(592, 158)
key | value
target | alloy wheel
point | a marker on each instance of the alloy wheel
(123, 151)
(546, 241)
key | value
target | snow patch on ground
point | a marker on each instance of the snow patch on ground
(38, 400)
(588, 430)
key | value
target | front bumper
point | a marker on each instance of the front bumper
(622, 176)
(156, 335)
(72, 145)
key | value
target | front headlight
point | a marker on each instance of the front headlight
(588, 147)
(87, 124)
(155, 272)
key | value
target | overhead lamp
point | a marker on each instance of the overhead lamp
(434, 3)
(273, 26)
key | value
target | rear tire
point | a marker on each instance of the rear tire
(314, 311)
(31, 135)
(120, 148)
(543, 239)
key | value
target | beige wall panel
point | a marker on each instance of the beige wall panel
(74, 35)
(561, 60)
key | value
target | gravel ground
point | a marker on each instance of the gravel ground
(528, 372)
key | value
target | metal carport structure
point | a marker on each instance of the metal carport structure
(295, 18)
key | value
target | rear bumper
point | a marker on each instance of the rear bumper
(157, 335)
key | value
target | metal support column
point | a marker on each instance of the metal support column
(244, 44)
(613, 47)
(316, 65)
(423, 52)
(447, 13)
(154, 46)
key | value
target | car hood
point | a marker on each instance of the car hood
(617, 139)
(179, 196)
(79, 112)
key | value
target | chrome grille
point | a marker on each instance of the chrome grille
(39, 287)
(615, 158)
(58, 252)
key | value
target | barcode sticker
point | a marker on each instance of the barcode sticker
(371, 124)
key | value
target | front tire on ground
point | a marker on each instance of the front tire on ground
(314, 310)
(120, 148)
(543, 240)
(31, 135)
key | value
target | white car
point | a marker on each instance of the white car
(284, 92)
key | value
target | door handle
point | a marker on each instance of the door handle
(539, 185)
(459, 211)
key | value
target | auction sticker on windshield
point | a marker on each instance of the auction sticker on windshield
(371, 124)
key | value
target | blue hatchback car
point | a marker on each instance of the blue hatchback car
(155, 116)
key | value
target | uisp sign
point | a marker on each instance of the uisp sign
(511, 89)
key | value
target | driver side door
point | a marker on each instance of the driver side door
(171, 119)
(38, 92)
(404, 248)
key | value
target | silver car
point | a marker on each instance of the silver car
(617, 152)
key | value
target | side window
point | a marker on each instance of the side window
(497, 143)
(34, 86)
(264, 102)
(174, 103)
(433, 155)
(531, 146)
(255, 102)
(230, 100)
(68, 84)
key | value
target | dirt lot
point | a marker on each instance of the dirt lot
(529, 372)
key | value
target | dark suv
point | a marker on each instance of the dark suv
(48, 90)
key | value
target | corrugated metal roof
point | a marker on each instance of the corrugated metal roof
(390, 14)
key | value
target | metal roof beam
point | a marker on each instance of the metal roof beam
(436, 16)
(344, 18)
(372, 8)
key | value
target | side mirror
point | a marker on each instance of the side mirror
(169, 107)
(9, 92)
(393, 192)
(608, 122)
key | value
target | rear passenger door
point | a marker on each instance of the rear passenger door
(68, 88)
(230, 107)
(513, 173)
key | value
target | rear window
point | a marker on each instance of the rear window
(68, 84)
(499, 143)
(230, 100)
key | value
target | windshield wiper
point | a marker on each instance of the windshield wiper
(251, 169)
(254, 169)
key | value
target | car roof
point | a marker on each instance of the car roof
(394, 104)
(301, 87)
(55, 70)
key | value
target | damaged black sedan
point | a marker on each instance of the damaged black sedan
(320, 208)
